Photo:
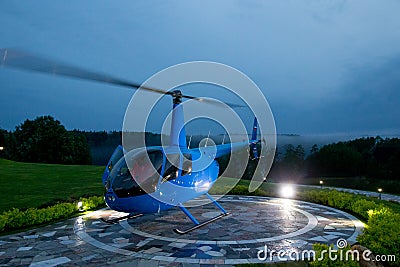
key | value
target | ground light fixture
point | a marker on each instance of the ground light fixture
(321, 183)
(380, 193)
(287, 191)
(80, 206)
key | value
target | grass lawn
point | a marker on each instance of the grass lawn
(24, 185)
(273, 189)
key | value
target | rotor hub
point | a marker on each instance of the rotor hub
(177, 96)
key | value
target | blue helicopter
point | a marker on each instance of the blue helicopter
(166, 174)
(155, 178)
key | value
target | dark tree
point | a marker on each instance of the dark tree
(3, 140)
(387, 155)
(293, 161)
(289, 165)
(371, 157)
(78, 148)
(45, 140)
(314, 149)
(339, 160)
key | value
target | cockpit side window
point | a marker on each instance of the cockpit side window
(171, 170)
(143, 176)
(117, 155)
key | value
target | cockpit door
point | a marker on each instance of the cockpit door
(116, 156)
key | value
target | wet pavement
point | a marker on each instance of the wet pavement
(255, 223)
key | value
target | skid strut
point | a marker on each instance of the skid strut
(194, 220)
(118, 219)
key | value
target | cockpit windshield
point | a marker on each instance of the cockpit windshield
(137, 173)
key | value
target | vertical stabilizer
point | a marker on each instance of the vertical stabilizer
(253, 144)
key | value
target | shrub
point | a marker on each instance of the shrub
(3, 221)
(382, 235)
(357, 204)
(315, 196)
(240, 190)
(363, 206)
(92, 202)
(340, 200)
(15, 218)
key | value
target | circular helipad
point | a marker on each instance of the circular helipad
(255, 225)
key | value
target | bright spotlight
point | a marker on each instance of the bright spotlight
(1, 148)
(287, 191)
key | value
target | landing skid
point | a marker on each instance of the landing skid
(118, 219)
(194, 220)
(197, 226)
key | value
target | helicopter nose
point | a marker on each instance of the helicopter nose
(110, 197)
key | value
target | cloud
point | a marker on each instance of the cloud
(319, 63)
(368, 102)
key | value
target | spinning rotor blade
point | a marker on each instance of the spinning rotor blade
(22, 60)
(213, 102)
(26, 61)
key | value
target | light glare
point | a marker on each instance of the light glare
(287, 191)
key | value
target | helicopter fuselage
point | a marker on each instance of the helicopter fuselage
(152, 179)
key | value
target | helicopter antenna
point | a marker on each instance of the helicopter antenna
(223, 139)
(190, 140)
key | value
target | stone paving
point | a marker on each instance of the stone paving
(255, 222)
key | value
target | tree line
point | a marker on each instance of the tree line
(45, 140)
(372, 157)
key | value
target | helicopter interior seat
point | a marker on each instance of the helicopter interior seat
(141, 171)
(145, 174)
(171, 171)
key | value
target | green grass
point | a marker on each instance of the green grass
(272, 189)
(25, 185)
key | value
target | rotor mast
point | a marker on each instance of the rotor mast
(178, 134)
